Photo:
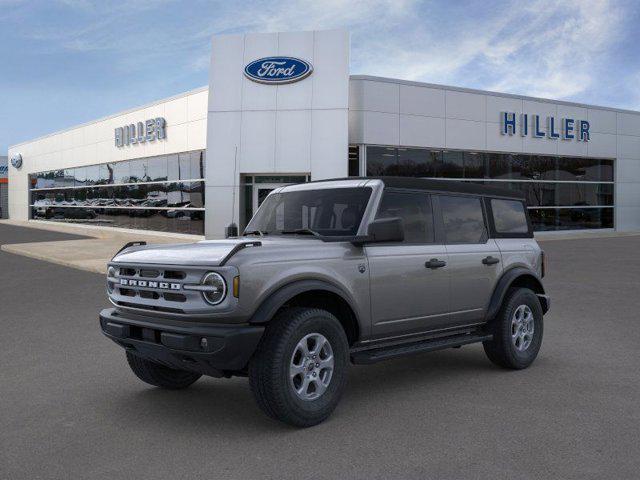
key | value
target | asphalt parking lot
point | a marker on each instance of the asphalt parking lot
(70, 407)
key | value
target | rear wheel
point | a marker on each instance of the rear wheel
(159, 375)
(517, 330)
(298, 372)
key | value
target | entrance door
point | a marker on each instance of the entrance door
(260, 192)
(257, 187)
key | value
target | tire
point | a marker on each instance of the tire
(520, 350)
(159, 375)
(281, 354)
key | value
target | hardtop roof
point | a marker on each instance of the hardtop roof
(438, 185)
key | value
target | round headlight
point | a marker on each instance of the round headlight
(216, 288)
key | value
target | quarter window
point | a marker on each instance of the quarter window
(463, 219)
(415, 211)
(509, 216)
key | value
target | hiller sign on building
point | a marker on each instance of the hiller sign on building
(569, 128)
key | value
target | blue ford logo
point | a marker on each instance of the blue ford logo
(16, 160)
(278, 70)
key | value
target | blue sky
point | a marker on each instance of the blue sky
(70, 61)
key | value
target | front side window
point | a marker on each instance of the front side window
(415, 211)
(327, 211)
(509, 216)
(463, 219)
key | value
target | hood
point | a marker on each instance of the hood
(207, 252)
(212, 252)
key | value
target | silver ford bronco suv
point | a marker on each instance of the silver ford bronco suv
(353, 270)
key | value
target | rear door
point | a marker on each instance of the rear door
(409, 280)
(475, 263)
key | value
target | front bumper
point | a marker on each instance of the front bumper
(209, 349)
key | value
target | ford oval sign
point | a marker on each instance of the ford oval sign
(16, 160)
(278, 70)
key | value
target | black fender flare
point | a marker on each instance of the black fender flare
(505, 283)
(282, 295)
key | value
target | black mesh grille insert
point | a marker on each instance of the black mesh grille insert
(174, 274)
(149, 273)
(174, 297)
(148, 294)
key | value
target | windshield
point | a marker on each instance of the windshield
(326, 212)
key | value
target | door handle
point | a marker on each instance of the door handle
(490, 260)
(435, 263)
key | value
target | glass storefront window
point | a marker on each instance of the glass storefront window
(80, 177)
(545, 180)
(91, 175)
(416, 162)
(157, 169)
(131, 194)
(499, 165)
(354, 161)
(138, 171)
(381, 161)
(585, 169)
(58, 178)
(121, 172)
(452, 165)
(571, 218)
(196, 194)
(173, 167)
(106, 174)
(475, 165)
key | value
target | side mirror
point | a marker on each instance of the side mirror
(386, 230)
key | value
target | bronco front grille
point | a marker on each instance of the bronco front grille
(157, 289)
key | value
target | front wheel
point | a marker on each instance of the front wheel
(517, 330)
(298, 372)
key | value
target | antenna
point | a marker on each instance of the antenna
(232, 229)
(235, 173)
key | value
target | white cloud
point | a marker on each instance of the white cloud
(540, 48)
(559, 51)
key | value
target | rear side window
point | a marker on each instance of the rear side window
(463, 219)
(509, 216)
(415, 211)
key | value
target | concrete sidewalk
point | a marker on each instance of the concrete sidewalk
(90, 254)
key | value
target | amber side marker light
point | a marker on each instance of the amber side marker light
(544, 264)
(236, 287)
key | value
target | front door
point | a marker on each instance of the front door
(409, 281)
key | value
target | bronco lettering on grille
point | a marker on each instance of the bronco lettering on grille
(146, 283)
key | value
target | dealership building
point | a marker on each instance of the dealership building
(282, 108)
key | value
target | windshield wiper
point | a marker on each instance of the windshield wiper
(256, 232)
(301, 231)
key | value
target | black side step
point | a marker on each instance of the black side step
(384, 353)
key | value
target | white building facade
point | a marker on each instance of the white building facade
(282, 108)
